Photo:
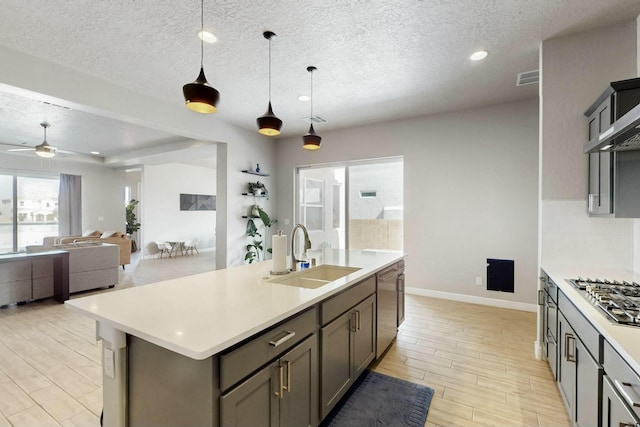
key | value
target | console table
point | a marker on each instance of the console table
(60, 270)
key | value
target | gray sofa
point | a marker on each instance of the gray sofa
(91, 265)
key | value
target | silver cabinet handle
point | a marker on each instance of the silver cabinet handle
(543, 279)
(354, 320)
(569, 356)
(358, 319)
(623, 389)
(290, 334)
(280, 392)
(541, 297)
(288, 386)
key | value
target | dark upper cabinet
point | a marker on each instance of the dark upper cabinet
(612, 188)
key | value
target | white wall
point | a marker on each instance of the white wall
(162, 219)
(576, 69)
(28, 75)
(102, 188)
(244, 156)
(470, 191)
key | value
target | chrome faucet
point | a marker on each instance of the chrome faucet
(307, 244)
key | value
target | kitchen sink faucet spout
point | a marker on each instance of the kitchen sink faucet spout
(307, 244)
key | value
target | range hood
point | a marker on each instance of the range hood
(623, 135)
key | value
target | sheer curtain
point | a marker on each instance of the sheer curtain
(70, 205)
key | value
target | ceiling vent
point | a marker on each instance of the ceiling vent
(55, 105)
(314, 120)
(528, 78)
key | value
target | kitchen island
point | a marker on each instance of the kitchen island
(596, 362)
(185, 351)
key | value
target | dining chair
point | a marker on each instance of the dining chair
(164, 248)
(190, 245)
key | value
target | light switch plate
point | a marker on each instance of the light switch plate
(478, 280)
(108, 363)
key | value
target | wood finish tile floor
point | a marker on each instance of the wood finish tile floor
(480, 362)
(478, 359)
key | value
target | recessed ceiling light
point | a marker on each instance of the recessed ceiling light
(479, 55)
(207, 37)
(95, 153)
(304, 98)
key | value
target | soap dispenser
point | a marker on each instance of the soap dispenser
(304, 260)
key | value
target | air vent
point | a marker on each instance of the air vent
(368, 194)
(315, 120)
(528, 78)
(55, 105)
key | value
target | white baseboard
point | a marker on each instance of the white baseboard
(537, 349)
(514, 305)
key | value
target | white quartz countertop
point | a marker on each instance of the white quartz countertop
(200, 315)
(625, 339)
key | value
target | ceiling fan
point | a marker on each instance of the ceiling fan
(43, 149)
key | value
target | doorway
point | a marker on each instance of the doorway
(354, 205)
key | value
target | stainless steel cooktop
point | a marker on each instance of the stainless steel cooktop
(620, 300)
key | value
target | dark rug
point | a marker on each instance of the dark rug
(381, 400)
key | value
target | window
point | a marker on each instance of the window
(312, 204)
(36, 215)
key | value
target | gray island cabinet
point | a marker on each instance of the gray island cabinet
(231, 348)
(595, 361)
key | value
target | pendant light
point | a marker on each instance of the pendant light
(269, 124)
(311, 141)
(199, 95)
(44, 149)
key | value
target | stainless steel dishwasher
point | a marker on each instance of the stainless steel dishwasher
(387, 311)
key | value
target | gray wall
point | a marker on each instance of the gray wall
(470, 191)
(576, 69)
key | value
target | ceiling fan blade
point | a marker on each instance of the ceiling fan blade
(21, 149)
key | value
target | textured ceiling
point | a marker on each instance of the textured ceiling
(377, 60)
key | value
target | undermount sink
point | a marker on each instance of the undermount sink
(315, 277)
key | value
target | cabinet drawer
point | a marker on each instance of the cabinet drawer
(624, 379)
(15, 271)
(344, 301)
(17, 291)
(245, 359)
(587, 333)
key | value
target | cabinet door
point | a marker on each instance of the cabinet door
(566, 365)
(606, 182)
(594, 183)
(299, 405)
(614, 412)
(337, 371)
(587, 387)
(364, 343)
(254, 402)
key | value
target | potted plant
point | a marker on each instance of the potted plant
(256, 247)
(132, 224)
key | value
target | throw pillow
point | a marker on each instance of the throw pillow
(91, 233)
(108, 234)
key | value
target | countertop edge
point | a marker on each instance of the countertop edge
(612, 332)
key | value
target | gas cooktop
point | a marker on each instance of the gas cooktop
(620, 300)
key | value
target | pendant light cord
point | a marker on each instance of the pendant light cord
(270, 69)
(311, 100)
(201, 34)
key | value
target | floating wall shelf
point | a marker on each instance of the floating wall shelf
(255, 173)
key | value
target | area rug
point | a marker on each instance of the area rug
(380, 400)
